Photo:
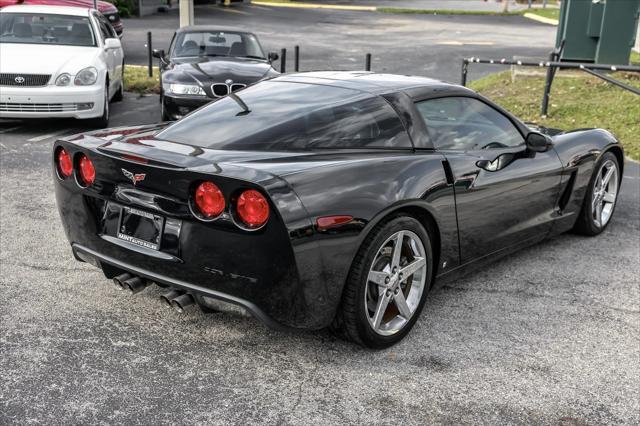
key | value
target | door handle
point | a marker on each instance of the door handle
(498, 163)
(488, 165)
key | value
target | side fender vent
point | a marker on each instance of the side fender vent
(566, 195)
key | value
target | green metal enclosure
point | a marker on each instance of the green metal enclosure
(599, 31)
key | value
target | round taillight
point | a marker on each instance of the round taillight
(209, 200)
(252, 208)
(64, 163)
(87, 173)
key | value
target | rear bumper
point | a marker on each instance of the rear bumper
(279, 280)
(51, 101)
(94, 258)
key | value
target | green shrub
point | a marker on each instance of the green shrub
(125, 7)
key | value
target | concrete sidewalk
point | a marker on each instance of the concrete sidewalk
(464, 5)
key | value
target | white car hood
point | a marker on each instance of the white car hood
(46, 59)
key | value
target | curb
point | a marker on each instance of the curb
(317, 6)
(542, 19)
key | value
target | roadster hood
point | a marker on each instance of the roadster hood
(44, 59)
(222, 68)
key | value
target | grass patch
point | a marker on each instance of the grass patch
(444, 11)
(576, 102)
(635, 58)
(136, 79)
(551, 13)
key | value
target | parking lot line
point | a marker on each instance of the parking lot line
(9, 129)
(241, 12)
(47, 136)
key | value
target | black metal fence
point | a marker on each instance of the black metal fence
(552, 66)
(296, 60)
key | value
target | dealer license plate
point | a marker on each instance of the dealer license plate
(141, 228)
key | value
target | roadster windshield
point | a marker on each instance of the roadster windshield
(285, 116)
(216, 43)
(43, 28)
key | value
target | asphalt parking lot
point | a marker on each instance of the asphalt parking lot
(548, 335)
(429, 45)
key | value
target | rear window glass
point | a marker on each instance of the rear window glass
(281, 116)
(42, 28)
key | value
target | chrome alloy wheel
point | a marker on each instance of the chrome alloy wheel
(395, 282)
(605, 190)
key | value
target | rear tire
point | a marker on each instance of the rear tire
(601, 197)
(380, 313)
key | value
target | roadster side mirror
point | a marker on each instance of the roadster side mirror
(537, 142)
(273, 56)
(158, 53)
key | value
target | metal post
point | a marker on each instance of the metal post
(551, 72)
(186, 13)
(150, 53)
(95, 4)
(283, 61)
(465, 71)
(544, 4)
(367, 62)
(296, 58)
(544, 108)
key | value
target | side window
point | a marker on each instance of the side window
(105, 28)
(112, 32)
(467, 124)
(370, 123)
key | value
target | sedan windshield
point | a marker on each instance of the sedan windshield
(284, 116)
(217, 43)
(42, 28)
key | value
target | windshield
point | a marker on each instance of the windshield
(42, 28)
(284, 116)
(217, 43)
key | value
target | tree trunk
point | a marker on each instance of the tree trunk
(505, 3)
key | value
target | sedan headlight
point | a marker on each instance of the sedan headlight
(63, 79)
(185, 89)
(86, 77)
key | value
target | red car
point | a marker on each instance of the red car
(106, 8)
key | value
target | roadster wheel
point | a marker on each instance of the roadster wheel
(387, 285)
(601, 197)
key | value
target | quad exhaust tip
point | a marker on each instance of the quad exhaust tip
(136, 284)
(168, 297)
(181, 302)
(120, 280)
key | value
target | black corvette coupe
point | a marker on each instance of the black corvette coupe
(328, 199)
(206, 63)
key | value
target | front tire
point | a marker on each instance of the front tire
(119, 95)
(387, 285)
(601, 197)
(102, 121)
(163, 111)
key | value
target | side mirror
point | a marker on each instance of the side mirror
(273, 56)
(112, 43)
(158, 53)
(537, 142)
